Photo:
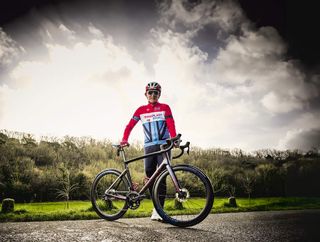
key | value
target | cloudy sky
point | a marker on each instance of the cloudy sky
(237, 74)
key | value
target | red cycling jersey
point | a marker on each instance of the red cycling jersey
(157, 121)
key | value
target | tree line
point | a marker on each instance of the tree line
(53, 169)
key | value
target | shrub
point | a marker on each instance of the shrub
(20, 211)
(178, 205)
(7, 205)
(232, 202)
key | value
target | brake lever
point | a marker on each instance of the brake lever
(182, 147)
(188, 145)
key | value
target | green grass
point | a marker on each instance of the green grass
(267, 204)
(81, 209)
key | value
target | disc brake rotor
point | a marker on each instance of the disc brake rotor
(184, 195)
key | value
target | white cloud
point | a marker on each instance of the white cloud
(226, 14)
(9, 49)
(255, 61)
(65, 29)
(96, 32)
(247, 96)
(206, 110)
(71, 93)
(302, 132)
(247, 85)
(304, 139)
(254, 56)
(278, 104)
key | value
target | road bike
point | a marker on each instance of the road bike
(187, 192)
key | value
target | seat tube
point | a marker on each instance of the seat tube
(123, 155)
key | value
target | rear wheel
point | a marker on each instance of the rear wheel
(192, 204)
(106, 199)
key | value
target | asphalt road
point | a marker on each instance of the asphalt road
(254, 226)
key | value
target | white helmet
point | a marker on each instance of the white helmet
(153, 86)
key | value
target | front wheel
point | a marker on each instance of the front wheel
(108, 194)
(191, 205)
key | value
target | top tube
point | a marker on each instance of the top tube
(170, 142)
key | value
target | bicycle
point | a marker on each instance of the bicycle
(113, 192)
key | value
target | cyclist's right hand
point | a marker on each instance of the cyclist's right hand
(176, 144)
(124, 143)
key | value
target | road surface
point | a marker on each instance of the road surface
(302, 225)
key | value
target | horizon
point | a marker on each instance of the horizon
(137, 143)
(79, 68)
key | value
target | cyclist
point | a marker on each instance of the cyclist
(158, 125)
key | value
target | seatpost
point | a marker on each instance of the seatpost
(123, 155)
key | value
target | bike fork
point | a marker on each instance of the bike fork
(172, 174)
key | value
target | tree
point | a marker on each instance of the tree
(3, 138)
(247, 180)
(67, 187)
(269, 178)
(216, 176)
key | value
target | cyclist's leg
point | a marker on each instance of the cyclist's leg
(162, 185)
(150, 163)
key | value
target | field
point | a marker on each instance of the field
(82, 209)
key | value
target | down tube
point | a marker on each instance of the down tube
(152, 178)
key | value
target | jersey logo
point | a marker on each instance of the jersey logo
(152, 117)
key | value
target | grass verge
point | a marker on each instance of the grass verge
(82, 209)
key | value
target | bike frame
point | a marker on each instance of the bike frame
(165, 165)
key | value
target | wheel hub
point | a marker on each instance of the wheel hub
(183, 195)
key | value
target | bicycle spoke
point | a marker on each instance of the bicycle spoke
(106, 198)
(192, 204)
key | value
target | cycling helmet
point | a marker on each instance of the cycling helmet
(153, 86)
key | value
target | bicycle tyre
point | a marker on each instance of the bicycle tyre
(109, 209)
(195, 207)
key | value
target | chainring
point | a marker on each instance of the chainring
(133, 199)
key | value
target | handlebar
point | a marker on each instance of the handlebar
(182, 147)
(171, 142)
(163, 148)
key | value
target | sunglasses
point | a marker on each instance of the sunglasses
(156, 93)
